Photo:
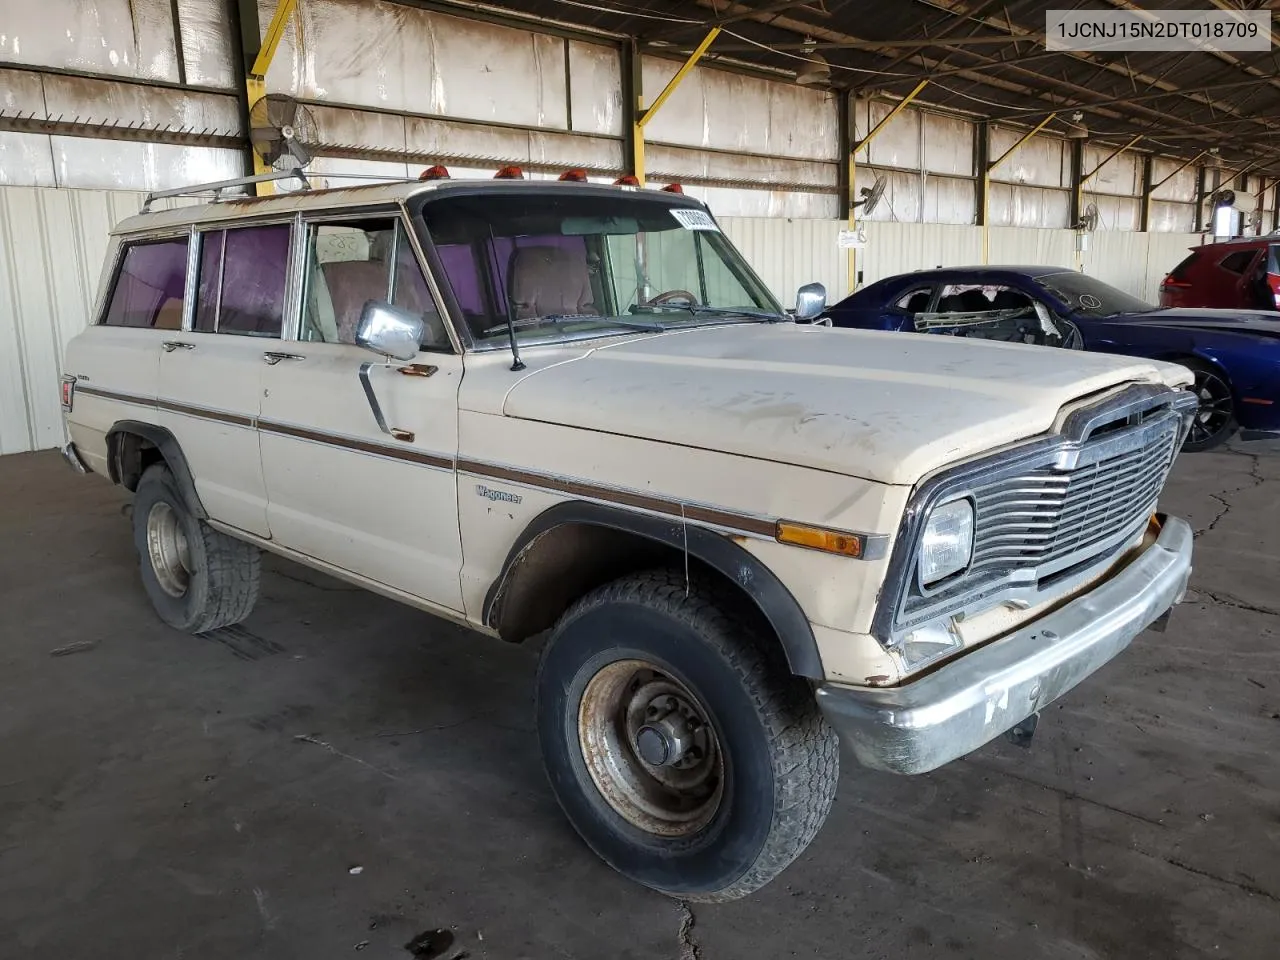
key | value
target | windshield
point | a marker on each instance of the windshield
(558, 266)
(1092, 297)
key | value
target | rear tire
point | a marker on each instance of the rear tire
(1215, 422)
(680, 747)
(196, 578)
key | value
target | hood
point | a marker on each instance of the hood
(889, 407)
(1261, 323)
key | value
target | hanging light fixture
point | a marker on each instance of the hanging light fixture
(815, 70)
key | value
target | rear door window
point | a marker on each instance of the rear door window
(243, 276)
(1273, 259)
(150, 286)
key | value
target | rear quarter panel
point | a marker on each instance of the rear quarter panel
(1251, 363)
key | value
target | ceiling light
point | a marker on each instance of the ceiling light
(813, 71)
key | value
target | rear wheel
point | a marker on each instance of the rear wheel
(1215, 422)
(197, 578)
(681, 749)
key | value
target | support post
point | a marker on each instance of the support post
(985, 188)
(644, 114)
(1275, 206)
(853, 167)
(1144, 209)
(844, 148)
(263, 51)
(632, 97)
(981, 166)
(1077, 197)
(1200, 198)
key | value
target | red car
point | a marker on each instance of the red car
(1239, 274)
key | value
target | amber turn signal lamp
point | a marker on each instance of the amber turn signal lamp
(816, 538)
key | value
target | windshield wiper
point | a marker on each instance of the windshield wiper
(698, 310)
(561, 319)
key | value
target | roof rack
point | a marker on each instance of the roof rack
(219, 185)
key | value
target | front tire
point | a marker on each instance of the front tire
(1215, 422)
(196, 578)
(677, 742)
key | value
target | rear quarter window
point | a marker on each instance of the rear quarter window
(1237, 262)
(1181, 270)
(149, 286)
(1273, 259)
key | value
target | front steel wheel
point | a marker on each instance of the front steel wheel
(650, 750)
(676, 740)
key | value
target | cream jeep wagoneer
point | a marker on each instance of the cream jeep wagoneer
(538, 406)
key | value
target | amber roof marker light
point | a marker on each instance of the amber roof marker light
(510, 172)
(437, 172)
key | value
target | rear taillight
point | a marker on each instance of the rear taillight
(1168, 283)
(68, 392)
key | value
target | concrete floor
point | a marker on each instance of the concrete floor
(172, 797)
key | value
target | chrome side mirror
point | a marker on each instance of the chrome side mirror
(395, 334)
(811, 300)
(390, 331)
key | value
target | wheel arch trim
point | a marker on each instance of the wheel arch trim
(716, 550)
(164, 441)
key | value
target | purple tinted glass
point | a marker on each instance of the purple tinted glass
(210, 280)
(255, 267)
(150, 286)
(463, 268)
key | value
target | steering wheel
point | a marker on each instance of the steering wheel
(670, 296)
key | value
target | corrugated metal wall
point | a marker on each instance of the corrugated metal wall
(51, 247)
(787, 253)
(52, 243)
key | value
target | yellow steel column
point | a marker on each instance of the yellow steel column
(255, 82)
(645, 115)
(986, 183)
(853, 165)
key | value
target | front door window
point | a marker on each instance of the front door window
(352, 262)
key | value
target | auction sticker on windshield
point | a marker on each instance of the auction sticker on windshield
(694, 219)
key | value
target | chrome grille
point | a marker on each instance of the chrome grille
(1049, 517)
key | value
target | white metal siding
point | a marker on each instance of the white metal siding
(51, 247)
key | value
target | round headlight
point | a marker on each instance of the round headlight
(947, 544)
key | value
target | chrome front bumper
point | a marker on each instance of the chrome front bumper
(973, 699)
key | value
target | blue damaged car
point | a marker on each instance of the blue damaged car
(1235, 354)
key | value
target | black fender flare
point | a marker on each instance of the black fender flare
(716, 550)
(167, 444)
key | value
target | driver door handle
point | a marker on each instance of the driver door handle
(272, 357)
(172, 345)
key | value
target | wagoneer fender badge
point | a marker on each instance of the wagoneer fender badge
(495, 495)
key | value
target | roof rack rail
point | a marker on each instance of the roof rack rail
(219, 185)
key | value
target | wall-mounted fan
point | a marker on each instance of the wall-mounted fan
(278, 128)
(871, 196)
(1088, 221)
